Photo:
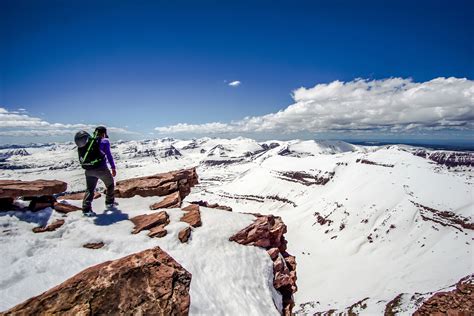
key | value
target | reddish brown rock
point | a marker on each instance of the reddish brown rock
(273, 253)
(65, 208)
(78, 196)
(192, 215)
(51, 227)
(184, 234)
(458, 302)
(94, 245)
(159, 184)
(17, 188)
(170, 201)
(158, 231)
(146, 283)
(143, 222)
(268, 231)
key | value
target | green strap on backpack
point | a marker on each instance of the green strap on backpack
(94, 137)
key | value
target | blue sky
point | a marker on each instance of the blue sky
(141, 65)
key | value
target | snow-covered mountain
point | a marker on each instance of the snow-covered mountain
(366, 224)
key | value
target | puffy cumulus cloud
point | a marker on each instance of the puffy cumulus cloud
(235, 83)
(16, 124)
(390, 105)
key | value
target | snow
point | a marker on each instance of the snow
(337, 265)
(227, 278)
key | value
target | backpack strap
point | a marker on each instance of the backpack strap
(90, 146)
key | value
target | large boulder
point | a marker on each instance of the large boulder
(159, 184)
(146, 283)
(16, 188)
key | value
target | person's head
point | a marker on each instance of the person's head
(101, 132)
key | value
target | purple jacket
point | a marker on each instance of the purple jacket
(105, 149)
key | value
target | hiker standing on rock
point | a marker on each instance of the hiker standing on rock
(94, 152)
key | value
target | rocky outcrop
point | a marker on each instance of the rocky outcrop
(16, 188)
(170, 201)
(51, 227)
(77, 196)
(268, 231)
(94, 245)
(158, 185)
(146, 283)
(192, 215)
(448, 158)
(458, 302)
(369, 162)
(213, 205)
(148, 221)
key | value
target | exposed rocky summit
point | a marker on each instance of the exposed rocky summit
(146, 283)
(159, 184)
(268, 231)
(449, 159)
(458, 302)
(17, 188)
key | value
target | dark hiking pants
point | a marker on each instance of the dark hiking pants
(92, 176)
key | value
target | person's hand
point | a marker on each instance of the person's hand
(114, 172)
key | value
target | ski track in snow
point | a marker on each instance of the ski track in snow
(374, 246)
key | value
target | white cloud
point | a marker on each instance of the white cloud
(235, 83)
(388, 105)
(15, 124)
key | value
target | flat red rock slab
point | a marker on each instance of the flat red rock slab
(192, 215)
(51, 227)
(170, 201)
(17, 188)
(158, 231)
(158, 185)
(143, 222)
(78, 196)
(65, 208)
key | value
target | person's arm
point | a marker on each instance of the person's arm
(105, 148)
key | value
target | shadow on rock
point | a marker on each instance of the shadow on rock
(110, 217)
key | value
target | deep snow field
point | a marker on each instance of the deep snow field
(365, 223)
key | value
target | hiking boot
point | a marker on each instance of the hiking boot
(111, 206)
(89, 213)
